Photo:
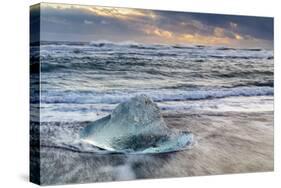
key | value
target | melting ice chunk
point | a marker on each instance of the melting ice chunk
(135, 126)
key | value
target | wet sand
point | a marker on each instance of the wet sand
(228, 142)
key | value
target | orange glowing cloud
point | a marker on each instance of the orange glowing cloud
(119, 13)
(238, 37)
(158, 32)
(218, 37)
(218, 32)
(202, 39)
(153, 26)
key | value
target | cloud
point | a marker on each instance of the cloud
(158, 32)
(258, 27)
(104, 22)
(218, 32)
(233, 25)
(87, 22)
(117, 24)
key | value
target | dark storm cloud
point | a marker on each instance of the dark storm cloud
(258, 27)
(85, 23)
(80, 22)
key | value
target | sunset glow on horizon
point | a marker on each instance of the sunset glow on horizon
(88, 23)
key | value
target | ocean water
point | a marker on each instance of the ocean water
(85, 81)
(222, 95)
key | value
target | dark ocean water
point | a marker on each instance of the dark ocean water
(85, 81)
(222, 95)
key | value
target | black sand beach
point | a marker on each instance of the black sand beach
(210, 76)
(225, 143)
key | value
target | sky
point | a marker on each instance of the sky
(62, 22)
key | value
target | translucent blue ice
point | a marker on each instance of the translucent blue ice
(135, 126)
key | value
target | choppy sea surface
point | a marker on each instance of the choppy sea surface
(224, 95)
(85, 81)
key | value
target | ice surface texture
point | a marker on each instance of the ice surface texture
(135, 126)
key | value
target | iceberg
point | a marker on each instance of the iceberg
(135, 126)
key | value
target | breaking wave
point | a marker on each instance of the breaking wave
(92, 97)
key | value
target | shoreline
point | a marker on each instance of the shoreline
(227, 143)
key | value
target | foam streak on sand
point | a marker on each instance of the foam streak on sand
(223, 95)
(231, 142)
